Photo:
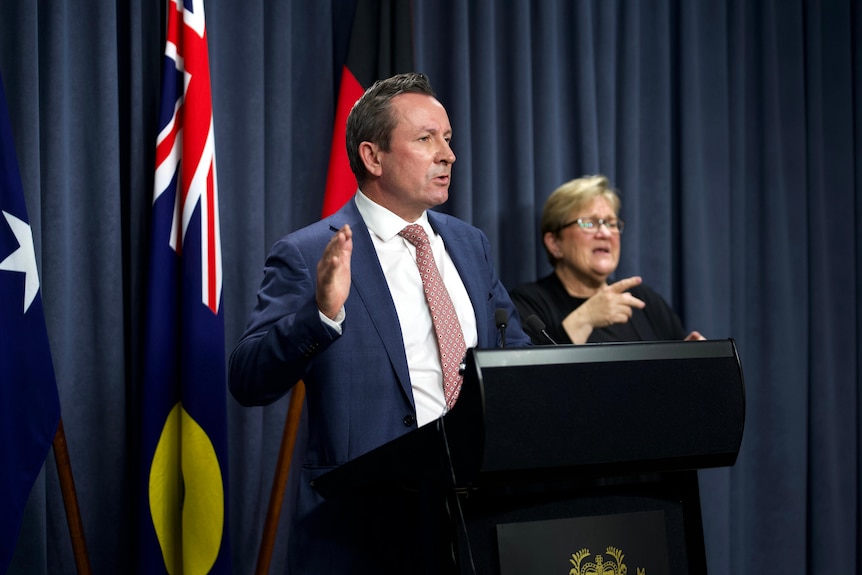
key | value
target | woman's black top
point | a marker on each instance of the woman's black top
(548, 299)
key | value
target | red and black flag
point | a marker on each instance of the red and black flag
(381, 44)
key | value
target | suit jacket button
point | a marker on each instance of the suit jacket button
(409, 420)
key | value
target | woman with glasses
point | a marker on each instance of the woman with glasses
(581, 232)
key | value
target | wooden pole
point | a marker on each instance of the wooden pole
(70, 501)
(282, 470)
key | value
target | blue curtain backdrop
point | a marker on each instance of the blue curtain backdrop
(733, 130)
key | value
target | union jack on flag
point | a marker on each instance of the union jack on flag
(183, 496)
(186, 133)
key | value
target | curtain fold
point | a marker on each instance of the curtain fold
(732, 129)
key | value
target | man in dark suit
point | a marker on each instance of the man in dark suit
(341, 307)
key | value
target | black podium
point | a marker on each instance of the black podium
(569, 459)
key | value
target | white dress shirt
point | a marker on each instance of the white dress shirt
(398, 259)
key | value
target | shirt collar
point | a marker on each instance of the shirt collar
(384, 223)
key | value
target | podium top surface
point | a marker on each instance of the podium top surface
(564, 355)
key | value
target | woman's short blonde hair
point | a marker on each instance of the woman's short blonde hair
(571, 197)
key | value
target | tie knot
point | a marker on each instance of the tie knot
(415, 234)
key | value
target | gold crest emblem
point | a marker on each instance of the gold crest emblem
(601, 565)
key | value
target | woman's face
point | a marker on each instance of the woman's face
(592, 255)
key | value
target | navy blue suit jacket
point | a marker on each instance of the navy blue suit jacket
(358, 388)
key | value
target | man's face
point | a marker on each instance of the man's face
(416, 171)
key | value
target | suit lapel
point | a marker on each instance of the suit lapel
(369, 285)
(461, 249)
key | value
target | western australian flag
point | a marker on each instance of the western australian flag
(29, 403)
(184, 495)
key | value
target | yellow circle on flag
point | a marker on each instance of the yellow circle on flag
(186, 496)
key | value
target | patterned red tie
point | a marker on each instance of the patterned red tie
(447, 328)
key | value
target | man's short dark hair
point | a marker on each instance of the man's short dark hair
(371, 118)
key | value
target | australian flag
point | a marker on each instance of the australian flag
(29, 403)
(184, 495)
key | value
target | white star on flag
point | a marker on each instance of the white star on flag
(23, 259)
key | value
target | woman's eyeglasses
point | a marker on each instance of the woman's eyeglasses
(592, 225)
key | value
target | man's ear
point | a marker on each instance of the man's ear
(370, 154)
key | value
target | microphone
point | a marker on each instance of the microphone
(501, 318)
(538, 326)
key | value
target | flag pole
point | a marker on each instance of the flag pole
(282, 470)
(70, 501)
